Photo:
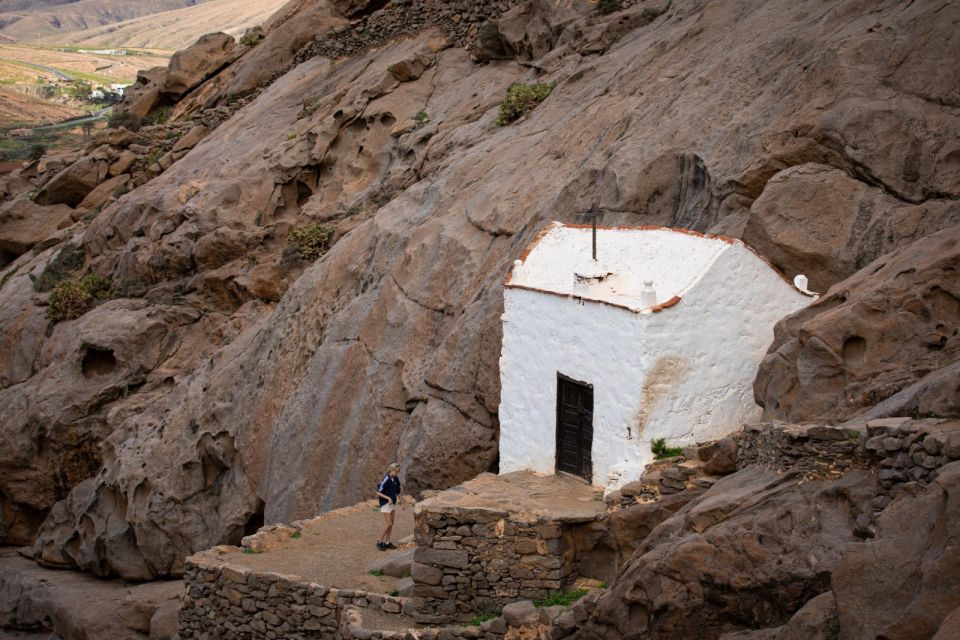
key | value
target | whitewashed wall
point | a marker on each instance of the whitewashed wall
(684, 374)
(592, 342)
(699, 358)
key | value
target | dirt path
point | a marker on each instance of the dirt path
(335, 551)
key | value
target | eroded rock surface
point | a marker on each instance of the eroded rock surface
(889, 332)
(272, 387)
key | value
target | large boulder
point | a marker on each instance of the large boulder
(24, 223)
(190, 67)
(142, 96)
(817, 220)
(890, 326)
(72, 185)
(747, 554)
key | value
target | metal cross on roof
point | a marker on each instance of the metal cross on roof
(593, 223)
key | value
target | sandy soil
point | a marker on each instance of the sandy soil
(181, 28)
(17, 109)
(337, 551)
(113, 68)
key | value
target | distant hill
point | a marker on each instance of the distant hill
(53, 20)
(179, 28)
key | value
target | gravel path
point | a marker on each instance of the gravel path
(335, 551)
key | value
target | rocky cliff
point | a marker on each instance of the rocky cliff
(234, 377)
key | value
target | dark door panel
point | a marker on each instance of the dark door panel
(574, 427)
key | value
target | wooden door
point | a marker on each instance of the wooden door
(574, 427)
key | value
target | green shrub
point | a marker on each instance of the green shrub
(606, 7)
(476, 621)
(296, 535)
(422, 118)
(562, 598)
(71, 298)
(520, 99)
(250, 552)
(311, 241)
(661, 450)
(37, 151)
(375, 572)
(160, 115)
(126, 120)
(251, 39)
(64, 264)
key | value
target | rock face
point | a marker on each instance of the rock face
(250, 384)
(782, 560)
(891, 328)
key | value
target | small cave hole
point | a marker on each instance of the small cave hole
(854, 349)
(98, 362)
(255, 521)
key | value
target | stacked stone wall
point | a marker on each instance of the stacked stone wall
(471, 562)
(222, 602)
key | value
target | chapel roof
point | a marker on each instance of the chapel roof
(672, 259)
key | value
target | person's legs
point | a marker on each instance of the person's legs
(387, 526)
(388, 529)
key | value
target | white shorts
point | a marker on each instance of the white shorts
(387, 508)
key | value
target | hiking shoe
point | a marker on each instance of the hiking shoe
(381, 546)
(389, 545)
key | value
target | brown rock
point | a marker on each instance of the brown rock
(816, 220)
(748, 553)
(193, 65)
(119, 137)
(103, 192)
(834, 359)
(72, 185)
(906, 581)
(393, 335)
(23, 224)
(124, 161)
(191, 139)
(140, 98)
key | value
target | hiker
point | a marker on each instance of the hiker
(389, 493)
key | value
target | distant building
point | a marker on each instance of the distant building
(659, 337)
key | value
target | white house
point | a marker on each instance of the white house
(659, 337)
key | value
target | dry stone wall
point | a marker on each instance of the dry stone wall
(469, 562)
(224, 601)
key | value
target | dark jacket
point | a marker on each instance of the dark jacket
(389, 487)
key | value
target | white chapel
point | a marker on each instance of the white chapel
(615, 337)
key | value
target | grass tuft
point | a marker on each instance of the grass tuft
(661, 450)
(562, 598)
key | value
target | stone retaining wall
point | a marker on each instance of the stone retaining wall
(223, 601)
(469, 562)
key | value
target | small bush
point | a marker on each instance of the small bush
(126, 120)
(310, 242)
(296, 535)
(661, 450)
(562, 598)
(520, 99)
(63, 265)
(37, 151)
(250, 552)
(123, 189)
(422, 118)
(71, 298)
(606, 7)
(394, 593)
(251, 39)
(160, 115)
(375, 572)
(476, 621)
